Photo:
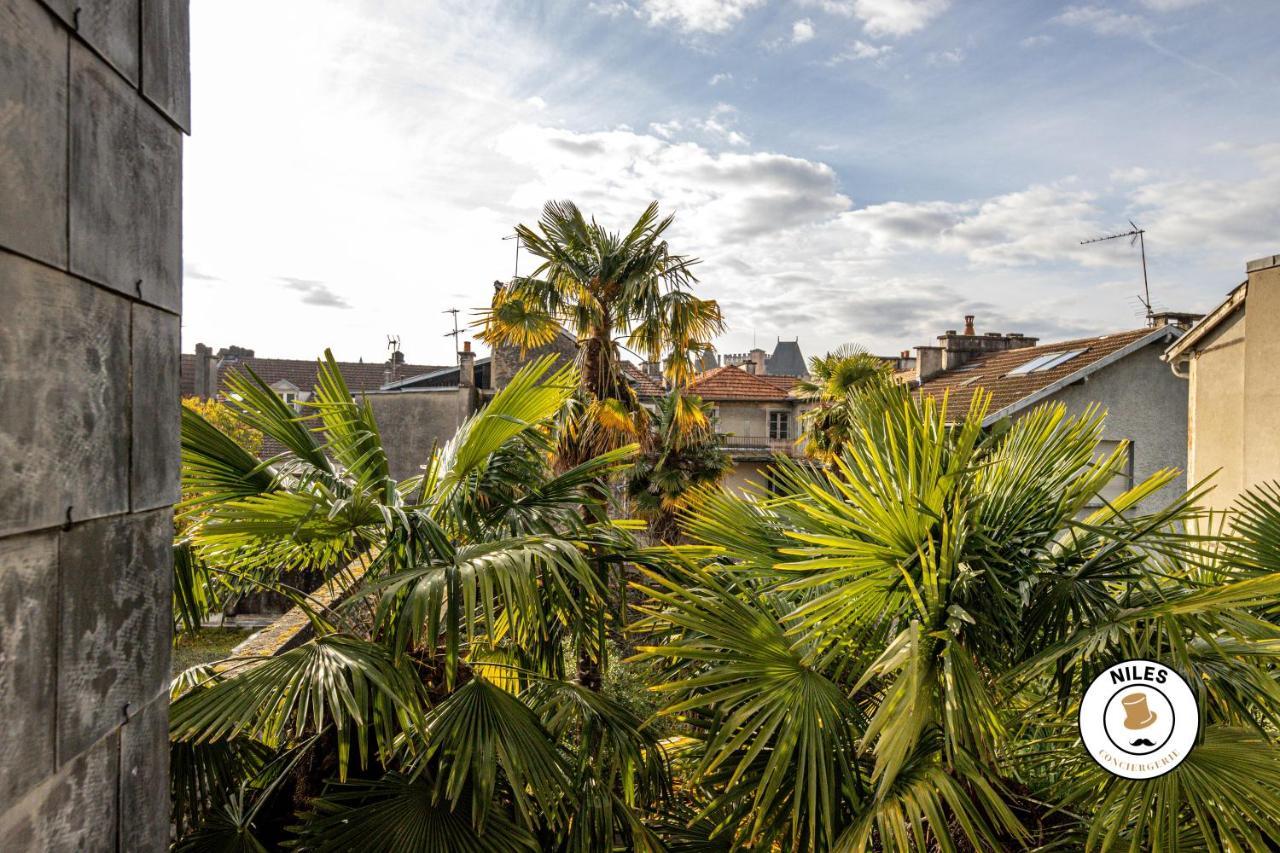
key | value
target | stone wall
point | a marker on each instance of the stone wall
(94, 100)
(506, 361)
(412, 422)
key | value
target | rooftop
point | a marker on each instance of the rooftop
(300, 372)
(734, 383)
(1020, 377)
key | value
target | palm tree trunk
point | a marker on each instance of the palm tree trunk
(595, 385)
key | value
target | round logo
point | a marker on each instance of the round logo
(1139, 720)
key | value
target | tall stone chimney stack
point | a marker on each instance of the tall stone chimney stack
(466, 366)
(206, 373)
(757, 357)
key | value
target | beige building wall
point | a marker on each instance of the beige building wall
(1262, 373)
(1233, 425)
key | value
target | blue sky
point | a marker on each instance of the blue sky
(849, 170)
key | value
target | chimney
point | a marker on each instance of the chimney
(757, 357)
(960, 349)
(466, 366)
(206, 373)
(928, 362)
(397, 357)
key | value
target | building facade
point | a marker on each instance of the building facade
(1122, 373)
(1231, 363)
(94, 102)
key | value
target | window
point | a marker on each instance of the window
(1041, 363)
(779, 425)
(1122, 481)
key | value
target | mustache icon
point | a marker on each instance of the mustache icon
(1142, 742)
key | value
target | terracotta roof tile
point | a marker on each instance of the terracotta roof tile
(734, 383)
(991, 372)
(646, 386)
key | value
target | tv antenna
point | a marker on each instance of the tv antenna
(454, 334)
(516, 236)
(393, 344)
(1135, 236)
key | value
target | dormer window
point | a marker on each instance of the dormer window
(288, 392)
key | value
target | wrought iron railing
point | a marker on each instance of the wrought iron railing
(759, 444)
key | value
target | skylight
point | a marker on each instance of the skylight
(1041, 363)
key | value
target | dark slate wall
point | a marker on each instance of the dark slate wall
(94, 100)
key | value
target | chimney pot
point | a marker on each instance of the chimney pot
(968, 325)
(466, 346)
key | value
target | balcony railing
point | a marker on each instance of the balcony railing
(753, 444)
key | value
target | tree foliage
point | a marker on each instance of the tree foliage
(890, 656)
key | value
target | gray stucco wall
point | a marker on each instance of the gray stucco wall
(1146, 405)
(93, 104)
(412, 422)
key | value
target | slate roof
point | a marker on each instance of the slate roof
(734, 383)
(300, 372)
(787, 360)
(1010, 393)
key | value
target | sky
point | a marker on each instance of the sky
(863, 171)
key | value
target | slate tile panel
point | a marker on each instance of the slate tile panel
(125, 188)
(33, 132)
(64, 415)
(113, 654)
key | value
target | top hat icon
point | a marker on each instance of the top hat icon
(1136, 713)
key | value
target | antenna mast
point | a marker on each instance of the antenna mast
(454, 334)
(516, 236)
(1135, 237)
(393, 345)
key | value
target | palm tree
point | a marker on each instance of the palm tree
(890, 655)
(430, 709)
(685, 457)
(832, 379)
(604, 287)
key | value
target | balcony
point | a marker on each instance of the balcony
(758, 447)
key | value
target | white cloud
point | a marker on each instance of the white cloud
(887, 17)
(1131, 175)
(709, 16)
(1169, 5)
(722, 77)
(947, 57)
(1036, 41)
(666, 129)
(719, 125)
(536, 102)
(860, 50)
(1104, 21)
(802, 31)
(1201, 212)
(427, 148)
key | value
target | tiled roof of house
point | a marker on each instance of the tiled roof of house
(734, 383)
(991, 372)
(300, 372)
(786, 383)
(645, 385)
